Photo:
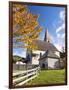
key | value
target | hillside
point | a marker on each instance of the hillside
(18, 58)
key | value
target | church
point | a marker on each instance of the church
(47, 55)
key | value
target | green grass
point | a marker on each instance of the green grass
(48, 77)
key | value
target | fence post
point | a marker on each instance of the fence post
(26, 76)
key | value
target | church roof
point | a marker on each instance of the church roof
(52, 55)
(43, 46)
(46, 44)
(49, 54)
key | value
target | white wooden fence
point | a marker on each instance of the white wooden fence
(22, 77)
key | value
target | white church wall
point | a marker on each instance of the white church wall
(43, 61)
(53, 63)
(40, 63)
(35, 60)
(38, 52)
(57, 53)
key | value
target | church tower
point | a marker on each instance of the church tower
(47, 36)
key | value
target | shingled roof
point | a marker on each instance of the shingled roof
(52, 55)
(49, 54)
(43, 46)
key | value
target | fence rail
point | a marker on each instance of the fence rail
(22, 77)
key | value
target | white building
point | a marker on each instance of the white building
(47, 56)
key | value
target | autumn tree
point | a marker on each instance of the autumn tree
(26, 28)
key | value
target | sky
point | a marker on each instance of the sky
(51, 18)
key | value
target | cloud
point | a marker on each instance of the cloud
(62, 20)
(22, 53)
(62, 15)
(63, 35)
(58, 46)
(59, 42)
(58, 35)
(59, 39)
(60, 28)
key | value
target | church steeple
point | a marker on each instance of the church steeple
(47, 37)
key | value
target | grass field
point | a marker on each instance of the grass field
(48, 77)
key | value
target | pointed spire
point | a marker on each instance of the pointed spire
(47, 37)
(46, 34)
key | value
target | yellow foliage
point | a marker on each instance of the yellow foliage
(28, 29)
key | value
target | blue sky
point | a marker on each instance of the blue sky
(51, 18)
